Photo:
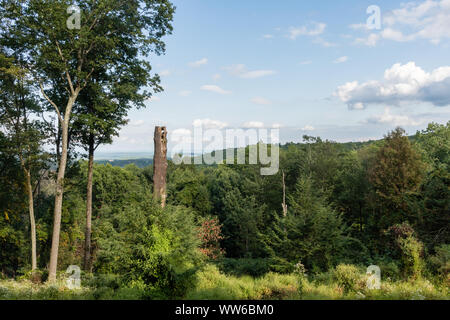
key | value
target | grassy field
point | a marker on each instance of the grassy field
(211, 284)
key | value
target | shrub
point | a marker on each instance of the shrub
(244, 266)
(389, 270)
(411, 256)
(348, 277)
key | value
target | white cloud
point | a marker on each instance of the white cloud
(137, 123)
(305, 62)
(217, 76)
(341, 59)
(215, 89)
(268, 36)
(181, 135)
(370, 41)
(392, 119)
(185, 93)
(240, 70)
(165, 73)
(260, 100)
(428, 20)
(308, 128)
(359, 26)
(209, 124)
(257, 74)
(315, 30)
(198, 63)
(253, 125)
(324, 43)
(153, 99)
(401, 83)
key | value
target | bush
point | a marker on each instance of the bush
(245, 266)
(411, 256)
(348, 277)
(440, 262)
(389, 270)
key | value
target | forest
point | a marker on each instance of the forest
(226, 232)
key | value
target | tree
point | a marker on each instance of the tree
(124, 31)
(99, 114)
(315, 232)
(395, 176)
(25, 135)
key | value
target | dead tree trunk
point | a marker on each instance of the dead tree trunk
(160, 165)
(284, 205)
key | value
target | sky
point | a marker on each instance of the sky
(306, 67)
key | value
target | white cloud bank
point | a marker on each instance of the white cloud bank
(428, 20)
(401, 83)
(392, 119)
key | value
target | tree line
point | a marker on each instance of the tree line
(69, 87)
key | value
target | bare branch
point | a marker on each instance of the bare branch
(51, 102)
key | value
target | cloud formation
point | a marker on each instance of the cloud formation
(341, 59)
(198, 63)
(427, 20)
(401, 83)
(315, 30)
(392, 119)
(253, 125)
(241, 71)
(214, 88)
(209, 124)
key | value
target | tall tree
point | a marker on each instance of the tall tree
(395, 175)
(99, 114)
(125, 31)
(18, 105)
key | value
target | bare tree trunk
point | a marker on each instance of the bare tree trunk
(160, 165)
(53, 265)
(32, 220)
(88, 231)
(284, 205)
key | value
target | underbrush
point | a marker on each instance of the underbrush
(344, 282)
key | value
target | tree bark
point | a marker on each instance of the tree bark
(284, 205)
(53, 265)
(32, 219)
(88, 231)
(160, 165)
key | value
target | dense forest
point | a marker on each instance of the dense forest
(67, 85)
(349, 206)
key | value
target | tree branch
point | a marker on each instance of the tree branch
(51, 102)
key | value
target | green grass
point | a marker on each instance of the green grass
(212, 284)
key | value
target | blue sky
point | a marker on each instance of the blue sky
(307, 67)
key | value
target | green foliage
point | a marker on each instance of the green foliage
(441, 260)
(349, 277)
(412, 250)
(315, 232)
(245, 266)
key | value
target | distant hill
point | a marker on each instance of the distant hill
(141, 163)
